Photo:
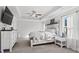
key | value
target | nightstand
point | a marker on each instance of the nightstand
(60, 41)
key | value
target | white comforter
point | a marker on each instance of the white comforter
(42, 35)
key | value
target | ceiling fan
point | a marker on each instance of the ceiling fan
(34, 14)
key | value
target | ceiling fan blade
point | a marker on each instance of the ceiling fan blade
(33, 11)
(27, 13)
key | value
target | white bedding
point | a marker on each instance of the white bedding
(43, 35)
(49, 35)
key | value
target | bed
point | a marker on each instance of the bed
(41, 37)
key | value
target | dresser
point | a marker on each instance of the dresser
(8, 39)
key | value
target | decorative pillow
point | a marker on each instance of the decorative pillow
(48, 35)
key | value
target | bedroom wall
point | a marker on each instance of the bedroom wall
(58, 16)
(61, 14)
(60, 26)
(25, 27)
(1, 9)
(14, 10)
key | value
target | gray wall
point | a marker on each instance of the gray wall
(25, 27)
(1, 10)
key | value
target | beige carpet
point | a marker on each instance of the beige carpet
(22, 46)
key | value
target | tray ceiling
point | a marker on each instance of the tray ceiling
(26, 11)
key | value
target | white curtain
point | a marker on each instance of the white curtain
(73, 31)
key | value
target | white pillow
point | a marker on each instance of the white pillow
(48, 35)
